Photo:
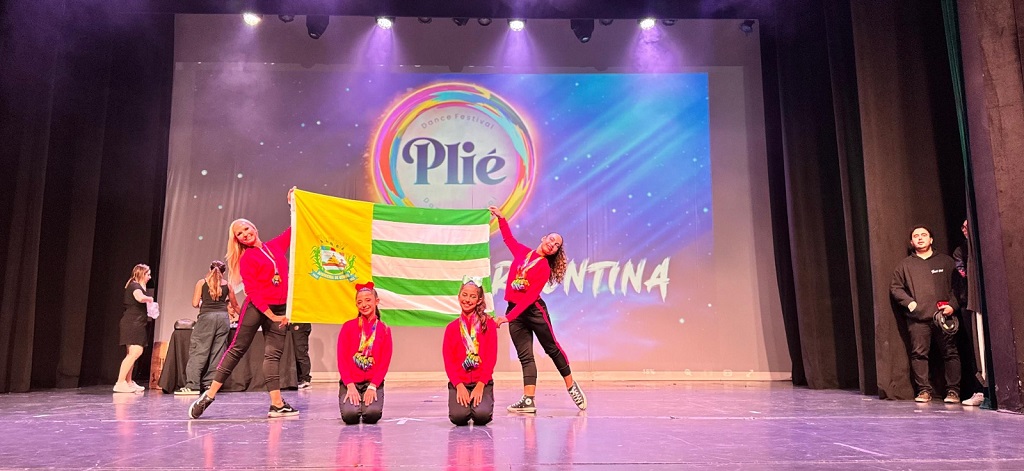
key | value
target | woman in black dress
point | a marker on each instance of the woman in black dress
(133, 326)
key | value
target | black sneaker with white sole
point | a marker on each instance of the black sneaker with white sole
(526, 404)
(284, 411)
(199, 406)
(577, 396)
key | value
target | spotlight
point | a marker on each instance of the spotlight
(668, 22)
(483, 21)
(747, 26)
(516, 24)
(461, 21)
(251, 19)
(385, 22)
(647, 23)
(286, 18)
(316, 25)
(583, 29)
(425, 20)
(606, 21)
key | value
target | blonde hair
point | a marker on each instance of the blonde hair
(137, 273)
(235, 249)
(213, 279)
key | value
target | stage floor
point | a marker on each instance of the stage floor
(629, 425)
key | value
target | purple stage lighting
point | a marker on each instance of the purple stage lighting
(384, 22)
(516, 24)
(647, 23)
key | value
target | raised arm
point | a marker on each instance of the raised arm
(506, 233)
(281, 242)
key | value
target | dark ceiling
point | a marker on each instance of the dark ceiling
(614, 9)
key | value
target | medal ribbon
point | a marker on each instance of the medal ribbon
(520, 282)
(472, 344)
(364, 354)
(276, 280)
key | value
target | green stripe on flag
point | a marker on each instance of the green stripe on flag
(431, 251)
(407, 287)
(407, 317)
(434, 216)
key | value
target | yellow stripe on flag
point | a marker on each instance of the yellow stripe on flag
(330, 252)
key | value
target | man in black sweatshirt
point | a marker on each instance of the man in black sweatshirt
(923, 284)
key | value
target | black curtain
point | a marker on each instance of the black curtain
(869, 148)
(992, 42)
(84, 116)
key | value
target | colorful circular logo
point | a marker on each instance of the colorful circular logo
(453, 145)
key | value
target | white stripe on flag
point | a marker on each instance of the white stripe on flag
(414, 269)
(430, 233)
(442, 304)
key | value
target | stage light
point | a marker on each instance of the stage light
(583, 29)
(668, 22)
(286, 18)
(251, 19)
(385, 22)
(647, 23)
(516, 24)
(606, 21)
(425, 20)
(316, 25)
(460, 21)
(484, 21)
(747, 26)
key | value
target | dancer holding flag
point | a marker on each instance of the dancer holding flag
(364, 354)
(263, 269)
(470, 351)
(527, 314)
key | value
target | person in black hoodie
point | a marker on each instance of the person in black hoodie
(923, 284)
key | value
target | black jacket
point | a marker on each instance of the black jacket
(926, 281)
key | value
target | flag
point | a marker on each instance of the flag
(416, 258)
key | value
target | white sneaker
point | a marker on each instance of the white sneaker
(124, 387)
(975, 400)
(136, 386)
(305, 385)
(186, 392)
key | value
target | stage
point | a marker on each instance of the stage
(629, 425)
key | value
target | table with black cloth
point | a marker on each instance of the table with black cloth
(247, 375)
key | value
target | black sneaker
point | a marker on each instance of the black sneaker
(284, 411)
(199, 406)
(577, 396)
(526, 404)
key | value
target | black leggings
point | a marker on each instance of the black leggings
(534, 321)
(273, 337)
